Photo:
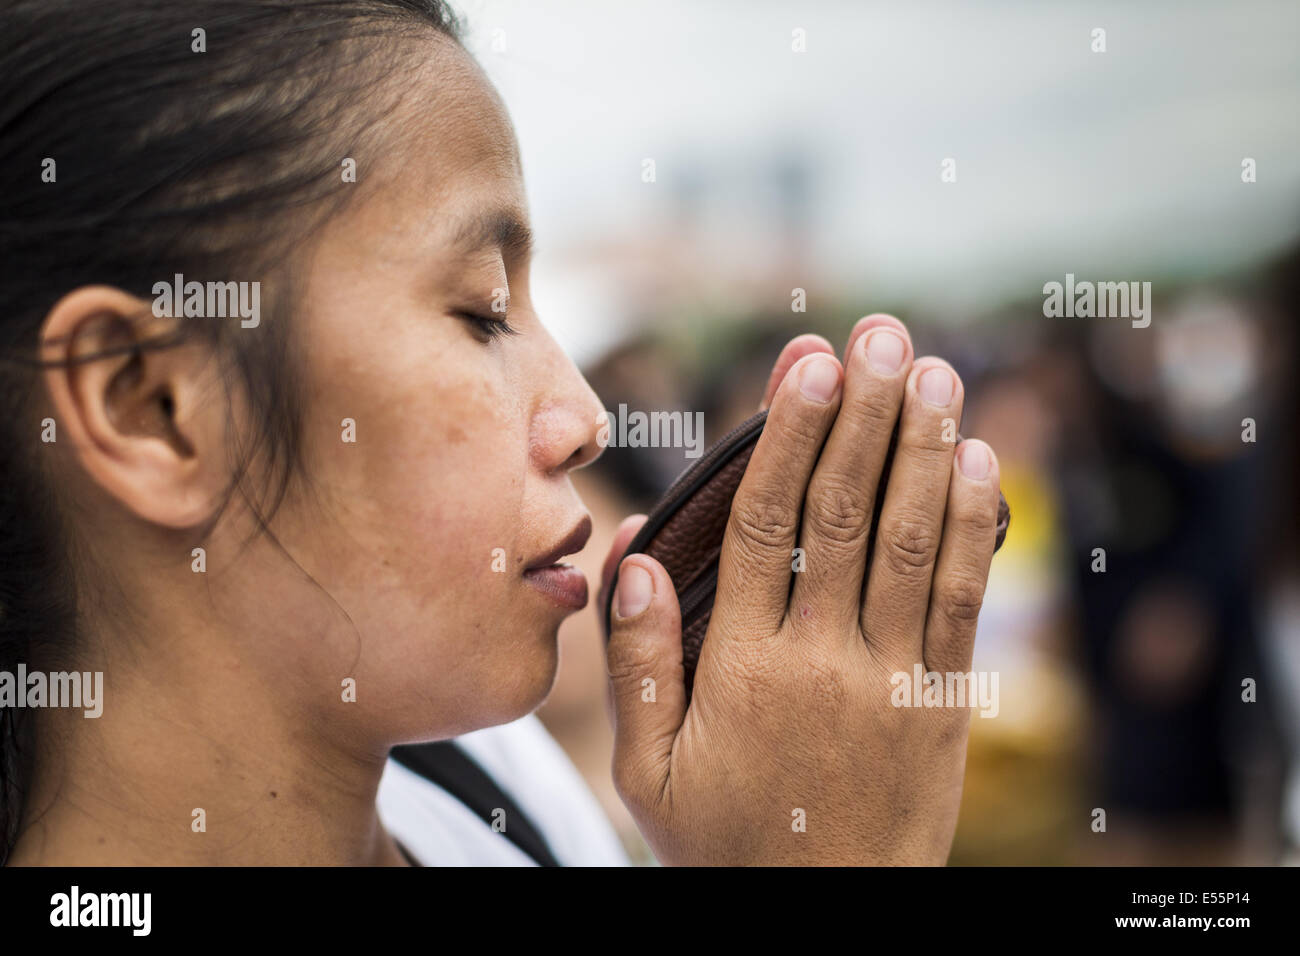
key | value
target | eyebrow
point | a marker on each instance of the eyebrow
(502, 228)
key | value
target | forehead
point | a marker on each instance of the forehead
(442, 184)
(458, 139)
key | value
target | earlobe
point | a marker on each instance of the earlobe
(125, 391)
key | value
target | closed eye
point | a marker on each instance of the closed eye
(485, 327)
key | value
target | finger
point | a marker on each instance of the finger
(623, 536)
(644, 657)
(866, 324)
(754, 566)
(911, 521)
(962, 569)
(840, 503)
(794, 350)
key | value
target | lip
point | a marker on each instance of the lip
(562, 583)
(572, 543)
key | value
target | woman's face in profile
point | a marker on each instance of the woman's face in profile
(424, 529)
(382, 492)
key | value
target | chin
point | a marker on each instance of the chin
(534, 683)
(521, 686)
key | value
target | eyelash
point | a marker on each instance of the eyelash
(491, 328)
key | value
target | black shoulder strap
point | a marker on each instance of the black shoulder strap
(445, 764)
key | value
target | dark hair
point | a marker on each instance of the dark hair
(168, 159)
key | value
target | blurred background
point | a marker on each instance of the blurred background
(691, 165)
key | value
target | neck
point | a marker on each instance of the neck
(194, 762)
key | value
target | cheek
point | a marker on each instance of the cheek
(435, 479)
(432, 488)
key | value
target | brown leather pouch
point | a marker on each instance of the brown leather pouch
(684, 531)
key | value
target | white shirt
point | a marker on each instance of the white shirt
(526, 762)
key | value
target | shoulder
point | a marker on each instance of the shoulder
(523, 760)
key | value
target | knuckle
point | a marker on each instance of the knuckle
(837, 512)
(929, 433)
(960, 598)
(951, 730)
(932, 442)
(795, 428)
(954, 731)
(976, 515)
(629, 662)
(755, 524)
(910, 544)
(874, 413)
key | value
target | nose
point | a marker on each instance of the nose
(568, 418)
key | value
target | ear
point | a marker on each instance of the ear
(147, 424)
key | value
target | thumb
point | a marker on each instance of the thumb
(622, 538)
(646, 677)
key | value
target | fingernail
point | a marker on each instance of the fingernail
(635, 589)
(819, 380)
(974, 460)
(885, 350)
(936, 386)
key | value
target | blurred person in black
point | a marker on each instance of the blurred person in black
(1164, 501)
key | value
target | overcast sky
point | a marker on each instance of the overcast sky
(1119, 164)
